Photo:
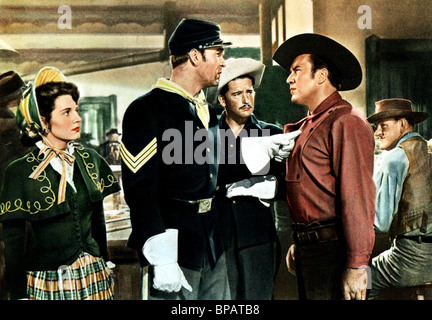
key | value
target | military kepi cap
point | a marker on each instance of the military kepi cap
(195, 34)
(310, 43)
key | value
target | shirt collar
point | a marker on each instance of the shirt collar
(56, 162)
(407, 136)
(70, 147)
(329, 102)
(252, 120)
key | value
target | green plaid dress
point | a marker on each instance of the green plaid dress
(65, 258)
(88, 278)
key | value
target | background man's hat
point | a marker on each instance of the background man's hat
(112, 131)
(396, 108)
(11, 85)
(195, 34)
(236, 67)
(310, 43)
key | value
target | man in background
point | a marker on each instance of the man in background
(11, 86)
(404, 197)
(110, 148)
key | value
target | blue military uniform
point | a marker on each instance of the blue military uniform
(169, 152)
(161, 194)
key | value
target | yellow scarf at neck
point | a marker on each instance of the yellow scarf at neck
(201, 106)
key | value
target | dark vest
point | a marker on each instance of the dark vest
(415, 207)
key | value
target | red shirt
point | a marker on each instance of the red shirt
(329, 174)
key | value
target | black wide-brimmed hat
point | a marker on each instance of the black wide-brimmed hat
(195, 34)
(396, 108)
(11, 85)
(311, 43)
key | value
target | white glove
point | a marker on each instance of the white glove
(259, 187)
(257, 151)
(284, 144)
(161, 252)
(285, 149)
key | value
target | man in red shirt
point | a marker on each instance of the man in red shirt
(330, 189)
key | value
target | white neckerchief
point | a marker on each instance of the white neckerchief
(56, 163)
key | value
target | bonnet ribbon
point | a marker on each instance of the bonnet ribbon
(50, 153)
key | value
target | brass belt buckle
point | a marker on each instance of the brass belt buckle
(204, 205)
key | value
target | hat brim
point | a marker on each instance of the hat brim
(310, 43)
(11, 97)
(413, 116)
(185, 49)
(236, 67)
(215, 44)
(12, 86)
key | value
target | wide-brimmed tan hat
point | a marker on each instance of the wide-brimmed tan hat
(311, 43)
(236, 67)
(396, 108)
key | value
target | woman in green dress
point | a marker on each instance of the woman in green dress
(51, 202)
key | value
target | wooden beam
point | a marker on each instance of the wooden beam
(266, 32)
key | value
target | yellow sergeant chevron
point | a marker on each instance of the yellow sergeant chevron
(134, 163)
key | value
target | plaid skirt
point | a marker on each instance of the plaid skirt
(88, 278)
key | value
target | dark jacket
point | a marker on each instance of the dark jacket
(60, 231)
(169, 157)
(250, 220)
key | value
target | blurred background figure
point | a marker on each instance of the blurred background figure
(11, 86)
(110, 149)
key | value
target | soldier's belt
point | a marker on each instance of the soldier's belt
(193, 206)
